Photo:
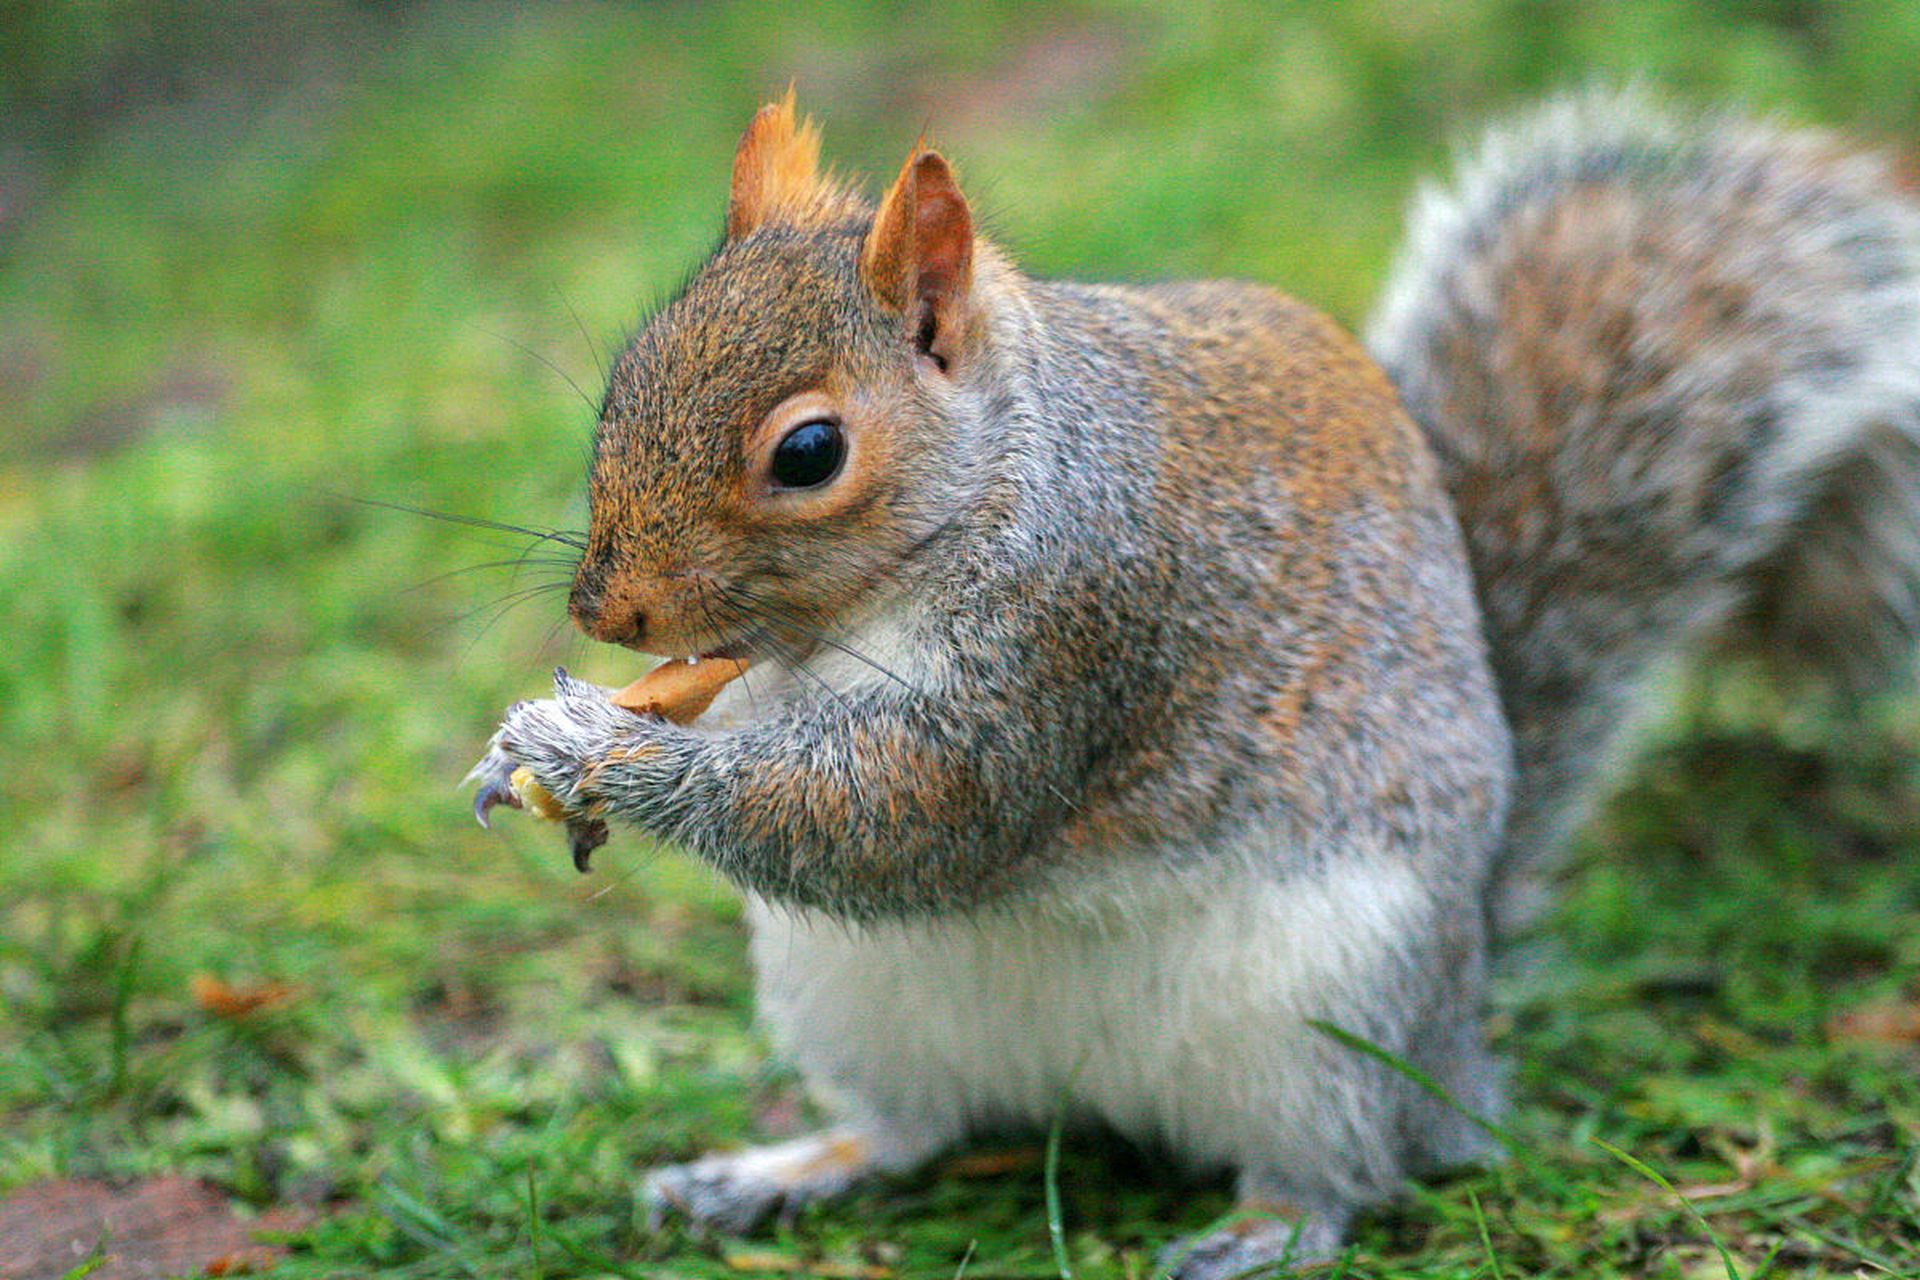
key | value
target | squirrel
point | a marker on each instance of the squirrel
(1152, 682)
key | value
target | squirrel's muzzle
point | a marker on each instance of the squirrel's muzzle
(607, 617)
(665, 614)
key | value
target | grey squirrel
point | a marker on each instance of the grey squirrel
(1145, 675)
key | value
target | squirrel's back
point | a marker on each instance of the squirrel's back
(1249, 533)
(1672, 371)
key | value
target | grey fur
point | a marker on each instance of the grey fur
(1715, 440)
(1195, 652)
(1138, 676)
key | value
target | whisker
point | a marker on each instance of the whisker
(516, 564)
(640, 863)
(564, 376)
(791, 657)
(546, 641)
(719, 638)
(801, 668)
(592, 350)
(566, 537)
(512, 599)
(754, 604)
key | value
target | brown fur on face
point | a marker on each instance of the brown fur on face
(690, 546)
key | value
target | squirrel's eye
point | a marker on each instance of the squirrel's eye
(809, 455)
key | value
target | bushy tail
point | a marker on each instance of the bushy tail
(1672, 370)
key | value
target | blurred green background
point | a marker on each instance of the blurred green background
(258, 261)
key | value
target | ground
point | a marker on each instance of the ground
(253, 272)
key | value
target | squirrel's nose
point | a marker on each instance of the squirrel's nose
(608, 621)
(630, 627)
(619, 626)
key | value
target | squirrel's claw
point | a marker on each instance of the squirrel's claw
(584, 835)
(494, 773)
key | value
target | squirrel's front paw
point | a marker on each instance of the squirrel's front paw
(560, 745)
(564, 740)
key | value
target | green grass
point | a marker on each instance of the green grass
(234, 705)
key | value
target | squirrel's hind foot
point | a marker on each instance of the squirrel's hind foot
(1272, 1239)
(734, 1192)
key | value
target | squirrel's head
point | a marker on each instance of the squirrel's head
(779, 438)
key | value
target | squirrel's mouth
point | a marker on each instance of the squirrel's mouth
(737, 650)
(754, 644)
(745, 651)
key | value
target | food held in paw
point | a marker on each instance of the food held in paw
(680, 691)
(535, 798)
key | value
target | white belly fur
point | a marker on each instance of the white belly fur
(1174, 1002)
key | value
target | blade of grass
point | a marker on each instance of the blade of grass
(1890, 1188)
(90, 1264)
(533, 1220)
(1224, 1222)
(1056, 1218)
(120, 1037)
(599, 1262)
(1282, 1264)
(420, 1222)
(1647, 1171)
(1766, 1263)
(1400, 1066)
(1486, 1240)
(1834, 1240)
(1227, 1222)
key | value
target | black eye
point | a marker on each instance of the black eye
(809, 455)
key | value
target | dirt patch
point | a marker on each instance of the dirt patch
(161, 1227)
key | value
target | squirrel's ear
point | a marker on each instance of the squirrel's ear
(918, 259)
(776, 165)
